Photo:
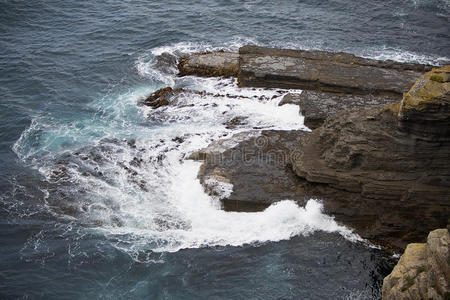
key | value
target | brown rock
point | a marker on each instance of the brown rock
(258, 167)
(316, 106)
(210, 64)
(425, 109)
(397, 158)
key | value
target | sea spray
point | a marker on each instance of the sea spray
(131, 181)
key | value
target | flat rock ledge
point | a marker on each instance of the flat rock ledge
(324, 71)
(210, 64)
(316, 106)
(422, 272)
(398, 156)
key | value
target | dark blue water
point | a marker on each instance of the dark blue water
(96, 200)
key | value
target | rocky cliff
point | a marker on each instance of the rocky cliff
(422, 272)
(378, 161)
(398, 157)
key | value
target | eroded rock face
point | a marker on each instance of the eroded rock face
(257, 166)
(210, 64)
(396, 157)
(324, 71)
(423, 271)
(316, 106)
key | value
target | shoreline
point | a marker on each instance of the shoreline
(344, 199)
(376, 155)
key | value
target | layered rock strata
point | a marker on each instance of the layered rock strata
(398, 157)
(316, 106)
(258, 167)
(210, 64)
(256, 164)
(331, 81)
(383, 171)
(324, 71)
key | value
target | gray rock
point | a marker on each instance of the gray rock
(291, 98)
(256, 165)
(325, 71)
(316, 106)
(161, 97)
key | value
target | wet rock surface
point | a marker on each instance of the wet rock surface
(161, 97)
(257, 165)
(316, 106)
(261, 175)
(423, 271)
(324, 71)
(385, 157)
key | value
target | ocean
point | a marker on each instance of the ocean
(97, 200)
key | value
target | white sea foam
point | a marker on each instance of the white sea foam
(203, 224)
(146, 62)
(389, 53)
(197, 47)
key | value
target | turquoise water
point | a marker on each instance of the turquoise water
(96, 199)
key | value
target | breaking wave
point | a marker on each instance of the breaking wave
(120, 170)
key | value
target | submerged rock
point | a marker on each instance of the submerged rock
(290, 98)
(316, 106)
(235, 122)
(423, 271)
(324, 71)
(397, 157)
(210, 64)
(161, 97)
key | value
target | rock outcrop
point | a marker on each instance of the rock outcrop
(210, 64)
(256, 164)
(397, 157)
(423, 271)
(324, 71)
(316, 106)
(161, 97)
